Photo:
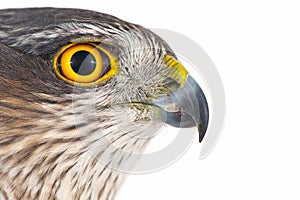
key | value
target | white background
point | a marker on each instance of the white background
(256, 48)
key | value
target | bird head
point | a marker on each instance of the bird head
(78, 87)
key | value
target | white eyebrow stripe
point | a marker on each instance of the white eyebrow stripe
(84, 28)
(62, 30)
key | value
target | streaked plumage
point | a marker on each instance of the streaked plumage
(56, 138)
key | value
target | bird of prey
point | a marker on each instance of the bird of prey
(78, 89)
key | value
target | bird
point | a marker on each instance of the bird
(80, 93)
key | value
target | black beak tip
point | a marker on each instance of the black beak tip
(202, 131)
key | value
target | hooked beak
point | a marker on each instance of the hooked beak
(185, 107)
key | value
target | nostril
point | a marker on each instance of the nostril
(170, 84)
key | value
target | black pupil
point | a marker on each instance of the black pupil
(83, 63)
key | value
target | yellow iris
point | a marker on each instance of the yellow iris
(66, 64)
(84, 64)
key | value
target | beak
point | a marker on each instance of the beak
(185, 107)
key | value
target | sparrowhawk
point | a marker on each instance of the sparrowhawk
(77, 88)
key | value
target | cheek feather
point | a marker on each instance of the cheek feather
(69, 145)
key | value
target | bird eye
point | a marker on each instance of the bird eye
(84, 64)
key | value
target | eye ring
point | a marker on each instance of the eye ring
(84, 64)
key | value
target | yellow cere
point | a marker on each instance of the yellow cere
(180, 74)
